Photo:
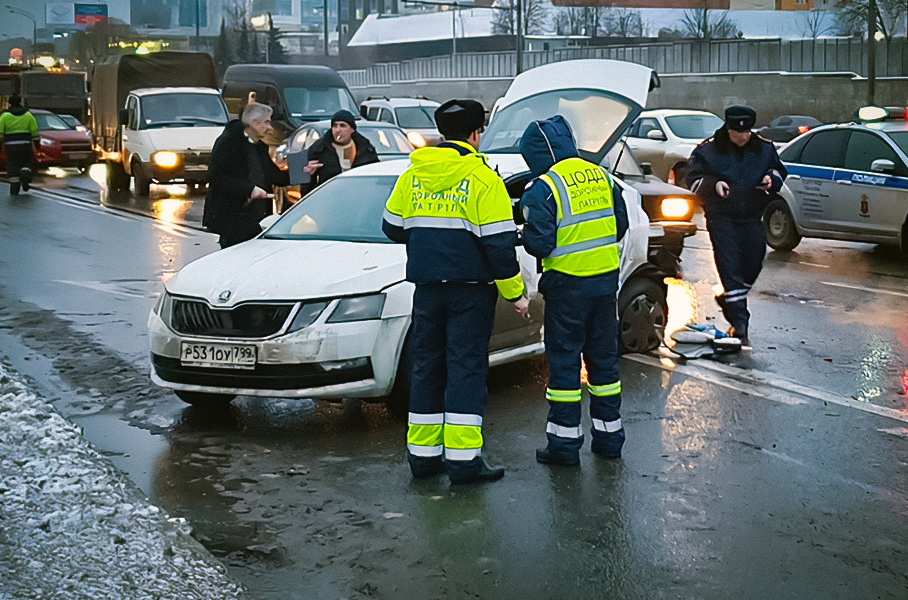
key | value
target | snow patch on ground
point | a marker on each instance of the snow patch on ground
(73, 526)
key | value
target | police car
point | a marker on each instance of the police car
(318, 305)
(845, 182)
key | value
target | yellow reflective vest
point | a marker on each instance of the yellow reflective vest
(455, 215)
(587, 238)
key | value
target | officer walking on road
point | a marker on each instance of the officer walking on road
(736, 174)
(575, 216)
(454, 214)
(18, 128)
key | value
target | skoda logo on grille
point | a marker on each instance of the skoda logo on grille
(225, 296)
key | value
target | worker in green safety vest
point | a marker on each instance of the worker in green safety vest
(18, 130)
(575, 217)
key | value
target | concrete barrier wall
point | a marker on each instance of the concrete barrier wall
(829, 97)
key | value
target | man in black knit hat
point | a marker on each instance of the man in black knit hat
(340, 149)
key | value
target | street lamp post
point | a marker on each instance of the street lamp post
(471, 4)
(519, 39)
(325, 23)
(19, 11)
(871, 52)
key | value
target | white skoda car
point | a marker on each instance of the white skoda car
(318, 305)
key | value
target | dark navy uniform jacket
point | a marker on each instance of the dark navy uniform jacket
(541, 148)
(742, 168)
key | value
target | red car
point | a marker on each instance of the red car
(60, 145)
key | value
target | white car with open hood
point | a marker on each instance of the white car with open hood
(318, 305)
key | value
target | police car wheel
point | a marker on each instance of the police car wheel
(642, 314)
(204, 400)
(779, 225)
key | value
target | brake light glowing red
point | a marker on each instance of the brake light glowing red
(803, 129)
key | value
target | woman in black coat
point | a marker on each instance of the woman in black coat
(341, 140)
(241, 178)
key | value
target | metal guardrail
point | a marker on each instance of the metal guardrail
(686, 56)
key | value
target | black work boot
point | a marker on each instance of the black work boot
(547, 457)
(423, 468)
(473, 471)
(14, 188)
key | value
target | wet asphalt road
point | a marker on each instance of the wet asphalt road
(779, 473)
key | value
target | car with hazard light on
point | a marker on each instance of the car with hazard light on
(665, 138)
(845, 182)
(318, 306)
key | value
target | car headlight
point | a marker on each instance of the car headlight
(48, 142)
(416, 139)
(165, 158)
(360, 308)
(306, 315)
(675, 208)
(164, 307)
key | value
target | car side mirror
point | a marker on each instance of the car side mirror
(882, 165)
(655, 134)
(268, 221)
(647, 168)
(123, 116)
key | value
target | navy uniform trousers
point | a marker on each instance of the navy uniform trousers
(578, 325)
(738, 249)
(452, 326)
(20, 160)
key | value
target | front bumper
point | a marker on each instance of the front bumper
(191, 168)
(330, 361)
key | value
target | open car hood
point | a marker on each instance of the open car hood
(599, 98)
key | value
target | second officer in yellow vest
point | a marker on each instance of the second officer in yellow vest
(575, 217)
(454, 214)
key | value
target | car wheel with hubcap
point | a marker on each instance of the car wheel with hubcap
(779, 225)
(642, 314)
(204, 400)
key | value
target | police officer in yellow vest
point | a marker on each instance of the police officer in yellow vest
(575, 217)
(18, 128)
(454, 214)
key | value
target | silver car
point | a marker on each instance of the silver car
(845, 182)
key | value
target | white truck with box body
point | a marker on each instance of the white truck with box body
(155, 118)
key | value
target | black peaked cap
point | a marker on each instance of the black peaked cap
(456, 116)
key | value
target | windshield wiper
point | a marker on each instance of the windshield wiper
(167, 124)
(203, 120)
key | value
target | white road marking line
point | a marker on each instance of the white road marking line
(865, 289)
(171, 229)
(813, 265)
(81, 205)
(98, 287)
(897, 431)
(763, 385)
(177, 229)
